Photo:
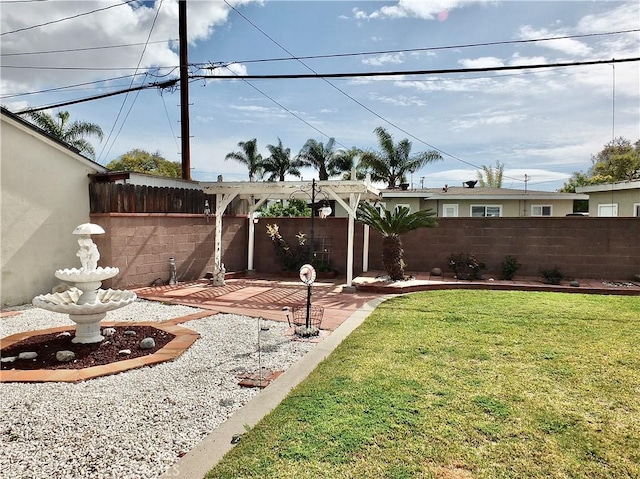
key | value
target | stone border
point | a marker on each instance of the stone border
(184, 338)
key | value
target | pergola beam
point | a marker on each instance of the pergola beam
(346, 193)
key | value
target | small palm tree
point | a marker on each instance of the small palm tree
(72, 133)
(249, 157)
(391, 226)
(490, 177)
(280, 164)
(394, 161)
(324, 158)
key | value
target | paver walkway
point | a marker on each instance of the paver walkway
(264, 297)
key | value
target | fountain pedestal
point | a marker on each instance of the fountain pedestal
(87, 327)
(86, 304)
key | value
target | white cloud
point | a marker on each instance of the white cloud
(237, 69)
(568, 46)
(487, 119)
(399, 100)
(624, 17)
(121, 25)
(482, 62)
(385, 59)
(427, 10)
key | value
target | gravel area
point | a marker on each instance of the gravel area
(138, 423)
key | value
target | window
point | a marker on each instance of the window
(636, 210)
(381, 206)
(450, 211)
(401, 205)
(541, 210)
(486, 211)
(610, 209)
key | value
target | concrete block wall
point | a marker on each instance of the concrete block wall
(140, 245)
(607, 248)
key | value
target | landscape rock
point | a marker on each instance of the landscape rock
(124, 352)
(65, 356)
(64, 334)
(108, 332)
(28, 355)
(147, 343)
(8, 359)
(574, 283)
(129, 333)
(436, 272)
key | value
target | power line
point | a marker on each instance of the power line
(68, 87)
(68, 18)
(421, 72)
(426, 49)
(165, 84)
(20, 67)
(71, 50)
(127, 94)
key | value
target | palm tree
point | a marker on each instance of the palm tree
(72, 133)
(324, 158)
(280, 164)
(490, 177)
(249, 157)
(391, 226)
(394, 161)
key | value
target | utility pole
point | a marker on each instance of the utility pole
(184, 90)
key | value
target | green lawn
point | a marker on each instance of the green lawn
(464, 384)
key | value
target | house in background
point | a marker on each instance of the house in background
(466, 202)
(44, 196)
(614, 199)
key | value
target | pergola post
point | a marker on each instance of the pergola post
(252, 230)
(222, 201)
(365, 249)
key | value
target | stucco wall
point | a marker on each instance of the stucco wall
(44, 196)
(625, 199)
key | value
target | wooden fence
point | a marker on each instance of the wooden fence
(119, 198)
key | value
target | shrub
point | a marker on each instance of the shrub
(510, 265)
(466, 266)
(552, 275)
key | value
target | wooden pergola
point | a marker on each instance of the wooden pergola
(346, 193)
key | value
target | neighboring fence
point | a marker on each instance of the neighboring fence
(126, 198)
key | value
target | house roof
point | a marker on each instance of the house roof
(463, 193)
(40, 132)
(622, 185)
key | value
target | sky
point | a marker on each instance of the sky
(542, 124)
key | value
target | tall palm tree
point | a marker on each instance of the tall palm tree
(490, 177)
(72, 133)
(280, 164)
(324, 158)
(391, 226)
(394, 161)
(249, 157)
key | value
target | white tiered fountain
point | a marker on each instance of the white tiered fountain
(86, 304)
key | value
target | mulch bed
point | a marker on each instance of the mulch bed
(87, 355)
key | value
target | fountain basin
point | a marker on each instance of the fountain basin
(75, 275)
(87, 316)
(67, 301)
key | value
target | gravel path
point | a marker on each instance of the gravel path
(135, 424)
